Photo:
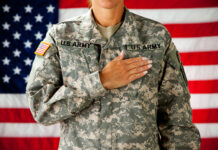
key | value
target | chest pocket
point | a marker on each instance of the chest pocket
(145, 83)
(91, 56)
(133, 88)
(77, 61)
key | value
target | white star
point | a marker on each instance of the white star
(6, 8)
(17, 18)
(49, 25)
(28, 61)
(38, 18)
(6, 79)
(28, 26)
(26, 79)
(28, 9)
(6, 43)
(16, 35)
(38, 36)
(27, 44)
(6, 61)
(6, 26)
(17, 70)
(16, 53)
(50, 9)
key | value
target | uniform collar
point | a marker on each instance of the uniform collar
(127, 34)
(88, 30)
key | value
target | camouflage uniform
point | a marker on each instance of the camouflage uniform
(65, 87)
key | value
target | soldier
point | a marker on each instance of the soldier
(113, 80)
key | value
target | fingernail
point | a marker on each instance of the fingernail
(144, 58)
(145, 72)
(150, 65)
(150, 61)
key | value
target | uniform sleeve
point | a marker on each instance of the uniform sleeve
(174, 111)
(51, 100)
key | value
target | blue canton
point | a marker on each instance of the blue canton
(23, 25)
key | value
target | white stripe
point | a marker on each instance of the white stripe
(196, 44)
(65, 14)
(204, 101)
(198, 101)
(208, 130)
(36, 130)
(192, 15)
(28, 130)
(13, 101)
(204, 72)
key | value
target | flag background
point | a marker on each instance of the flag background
(193, 25)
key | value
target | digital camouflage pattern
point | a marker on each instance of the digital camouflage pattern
(65, 87)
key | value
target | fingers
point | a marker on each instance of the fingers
(122, 55)
(139, 63)
(139, 69)
(136, 76)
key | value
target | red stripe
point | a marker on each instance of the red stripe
(148, 4)
(16, 115)
(193, 30)
(205, 115)
(205, 86)
(200, 58)
(209, 143)
(40, 51)
(29, 143)
(52, 143)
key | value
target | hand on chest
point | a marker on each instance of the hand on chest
(81, 58)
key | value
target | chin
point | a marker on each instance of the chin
(108, 4)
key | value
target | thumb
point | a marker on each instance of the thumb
(121, 56)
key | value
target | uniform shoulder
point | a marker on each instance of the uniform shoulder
(61, 30)
(144, 19)
(151, 29)
(149, 24)
(71, 24)
(73, 19)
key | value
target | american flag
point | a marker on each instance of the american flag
(43, 46)
(193, 25)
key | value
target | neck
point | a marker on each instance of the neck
(108, 17)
